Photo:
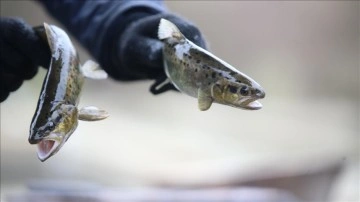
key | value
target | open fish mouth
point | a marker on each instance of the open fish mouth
(254, 105)
(46, 148)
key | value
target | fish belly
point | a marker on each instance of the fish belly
(180, 76)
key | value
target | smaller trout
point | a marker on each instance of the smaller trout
(200, 74)
(56, 116)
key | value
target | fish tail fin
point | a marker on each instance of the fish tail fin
(168, 29)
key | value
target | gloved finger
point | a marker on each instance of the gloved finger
(15, 62)
(3, 93)
(22, 36)
(17, 33)
(148, 51)
(10, 82)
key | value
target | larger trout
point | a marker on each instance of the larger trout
(56, 116)
(200, 74)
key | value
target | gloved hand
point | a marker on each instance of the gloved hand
(141, 50)
(21, 52)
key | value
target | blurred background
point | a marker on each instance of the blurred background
(305, 140)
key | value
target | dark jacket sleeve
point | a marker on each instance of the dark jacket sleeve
(98, 25)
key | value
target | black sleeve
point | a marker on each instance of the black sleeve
(98, 25)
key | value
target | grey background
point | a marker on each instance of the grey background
(305, 55)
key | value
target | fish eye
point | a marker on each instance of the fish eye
(51, 126)
(244, 90)
(232, 89)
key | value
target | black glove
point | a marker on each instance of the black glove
(21, 52)
(141, 50)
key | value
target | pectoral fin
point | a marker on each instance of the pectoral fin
(91, 113)
(204, 100)
(92, 70)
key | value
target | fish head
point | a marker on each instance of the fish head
(244, 94)
(53, 134)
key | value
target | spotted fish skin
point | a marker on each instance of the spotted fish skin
(62, 86)
(200, 74)
(56, 115)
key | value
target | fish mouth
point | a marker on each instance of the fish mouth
(46, 148)
(49, 146)
(253, 105)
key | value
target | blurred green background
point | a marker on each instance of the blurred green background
(305, 55)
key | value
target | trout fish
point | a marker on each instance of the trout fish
(200, 74)
(56, 116)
